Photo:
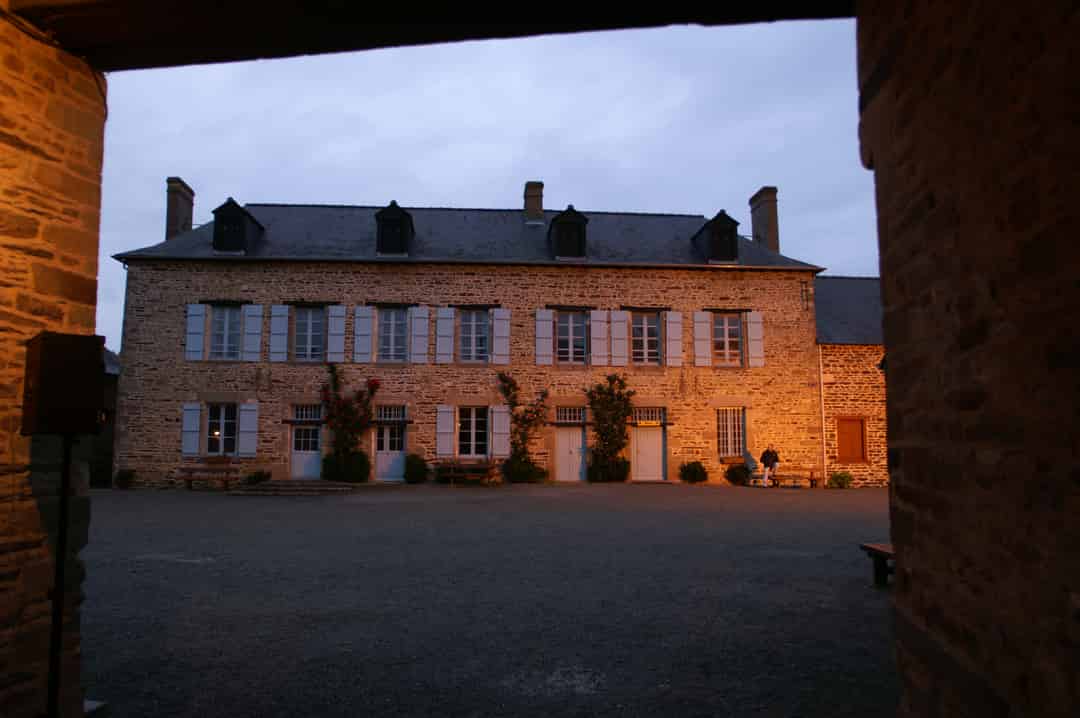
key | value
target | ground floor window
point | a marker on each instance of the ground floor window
(390, 437)
(850, 443)
(730, 438)
(221, 429)
(472, 431)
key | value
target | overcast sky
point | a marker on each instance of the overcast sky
(669, 120)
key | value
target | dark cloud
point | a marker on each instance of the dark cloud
(668, 120)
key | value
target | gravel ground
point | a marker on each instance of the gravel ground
(625, 600)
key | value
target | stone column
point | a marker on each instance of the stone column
(52, 120)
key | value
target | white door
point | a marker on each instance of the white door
(569, 453)
(647, 463)
(306, 453)
(390, 452)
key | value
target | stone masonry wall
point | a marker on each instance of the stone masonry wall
(969, 121)
(852, 385)
(781, 398)
(52, 118)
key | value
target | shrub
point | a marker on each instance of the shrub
(693, 472)
(839, 480)
(416, 470)
(257, 477)
(521, 470)
(617, 469)
(738, 474)
(354, 468)
(124, 479)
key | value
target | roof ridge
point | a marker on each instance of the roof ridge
(471, 209)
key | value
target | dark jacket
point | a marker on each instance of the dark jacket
(769, 458)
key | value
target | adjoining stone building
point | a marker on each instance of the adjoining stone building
(228, 328)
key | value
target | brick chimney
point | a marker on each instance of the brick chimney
(763, 219)
(179, 206)
(534, 201)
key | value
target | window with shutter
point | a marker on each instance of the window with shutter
(473, 431)
(309, 335)
(393, 328)
(474, 335)
(645, 338)
(225, 332)
(727, 339)
(850, 441)
(571, 338)
(221, 429)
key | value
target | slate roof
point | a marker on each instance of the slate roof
(848, 310)
(346, 233)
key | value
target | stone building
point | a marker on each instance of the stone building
(228, 328)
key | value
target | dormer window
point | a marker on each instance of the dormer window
(567, 234)
(718, 240)
(394, 230)
(235, 230)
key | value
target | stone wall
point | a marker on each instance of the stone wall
(781, 398)
(52, 115)
(969, 123)
(853, 385)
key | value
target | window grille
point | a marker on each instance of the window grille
(649, 414)
(570, 414)
(390, 413)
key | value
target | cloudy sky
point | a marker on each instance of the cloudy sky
(668, 120)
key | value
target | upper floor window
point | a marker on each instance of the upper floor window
(473, 342)
(393, 334)
(225, 332)
(473, 431)
(571, 337)
(221, 429)
(645, 337)
(727, 339)
(309, 335)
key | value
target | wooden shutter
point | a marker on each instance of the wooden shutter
(673, 338)
(444, 335)
(703, 326)
(190, 428)
(500, 430)
(545, 320)
(444, 431)
(619, 327)
(247, 429)
(598, 337)
(253, 320)
(194, 332)
(279, 332)
(755, 334)
(363, 321)
(850, 444)
(335, 333)
(500, 336)
(418, 335)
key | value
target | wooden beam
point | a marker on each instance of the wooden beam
(134, 34)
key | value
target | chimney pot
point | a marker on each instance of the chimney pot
(764, 224)
(534, 201)
(179, 207)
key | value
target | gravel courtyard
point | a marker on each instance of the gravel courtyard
(631, 600)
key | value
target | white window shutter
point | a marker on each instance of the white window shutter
(755, 334)
(545, 326)
(279, 332)
(418, 335)
(500, 336)
(620, 322)
(598, 337)
(335, 333)
(444, 335)
(253, 319)
(190, 428)
(194, 332)
(500, 430)
(247, 429)
(444, 431)
(363, 324)
(703, 326)
(673, 338)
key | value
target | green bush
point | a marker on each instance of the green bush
(839, 480)
(693, 472)
(257, 477)
(416, 470)
(521, 470)
(124, 479)
(617, 469)
(738, 474)
(354, 468)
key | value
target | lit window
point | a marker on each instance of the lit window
(473, 345)
(393, 332)
(571, 338)
(309, 335)
(729, 432)
(224, 332)
(221, 430)
(645, 347)
(472, 431)
(727, 339)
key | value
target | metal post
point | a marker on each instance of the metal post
(56, 637)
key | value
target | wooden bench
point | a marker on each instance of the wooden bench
(469, 474)
(794, 476)
(881, 554)
(222, 474)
